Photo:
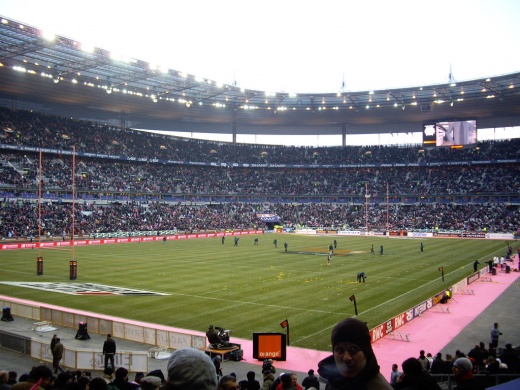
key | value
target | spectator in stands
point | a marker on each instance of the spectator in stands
(83, 383)
(12, 378)
(438, 364)
(459, 354)
(190, 368)
(158, 373)
(251, 383)
(492, 350)
(311, 380)
(448, 364)
(463, 374)
(294, 381)
(277, 381)
(98, 384)
(509, 356)
(137, 377)
(268, 379)
(353, 362)
(150, 383)
(108, 374)
(492, 365)
(63, 381)
(39, 378)
(121, 379)
(425, 363)
(228, 382)
(478, 357)
(414, 377)
(4, 377)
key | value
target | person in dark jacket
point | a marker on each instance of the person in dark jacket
(414, 378)
(438, 365)
(109, 351)
(353, 364)
(121, 379)
(510, 358)
(251, 383)
(311, 381)
(57, 355)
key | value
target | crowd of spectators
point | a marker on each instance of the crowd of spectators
(113, 195)
(20, 173)
(24, 128)
(479, 365)
(20, 219)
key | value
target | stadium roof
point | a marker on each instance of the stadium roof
(58, 76)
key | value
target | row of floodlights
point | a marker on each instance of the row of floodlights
(155, 97)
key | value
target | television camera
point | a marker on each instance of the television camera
(223, 333)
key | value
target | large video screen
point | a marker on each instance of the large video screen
(450, 133)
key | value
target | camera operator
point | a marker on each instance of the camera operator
(218, 339)
(268, 365)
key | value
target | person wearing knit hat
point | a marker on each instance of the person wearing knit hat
(463, 374)
(190, 368)
(150, 382)
(352, 364)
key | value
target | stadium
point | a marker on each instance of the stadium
(78, 176)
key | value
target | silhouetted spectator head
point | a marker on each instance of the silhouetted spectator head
(98, 384)
(190, 368)
(412, 367)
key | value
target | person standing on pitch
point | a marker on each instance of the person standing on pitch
(285, 245)
(361, 276)
(275, 242)
(422, 247)
(109, 351)
(381, 250)
(372, 250)
(475, 265)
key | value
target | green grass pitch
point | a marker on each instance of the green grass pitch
(252, 288)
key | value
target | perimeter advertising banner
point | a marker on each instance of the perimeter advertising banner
(107, 241)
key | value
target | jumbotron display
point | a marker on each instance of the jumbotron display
(450, 133)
